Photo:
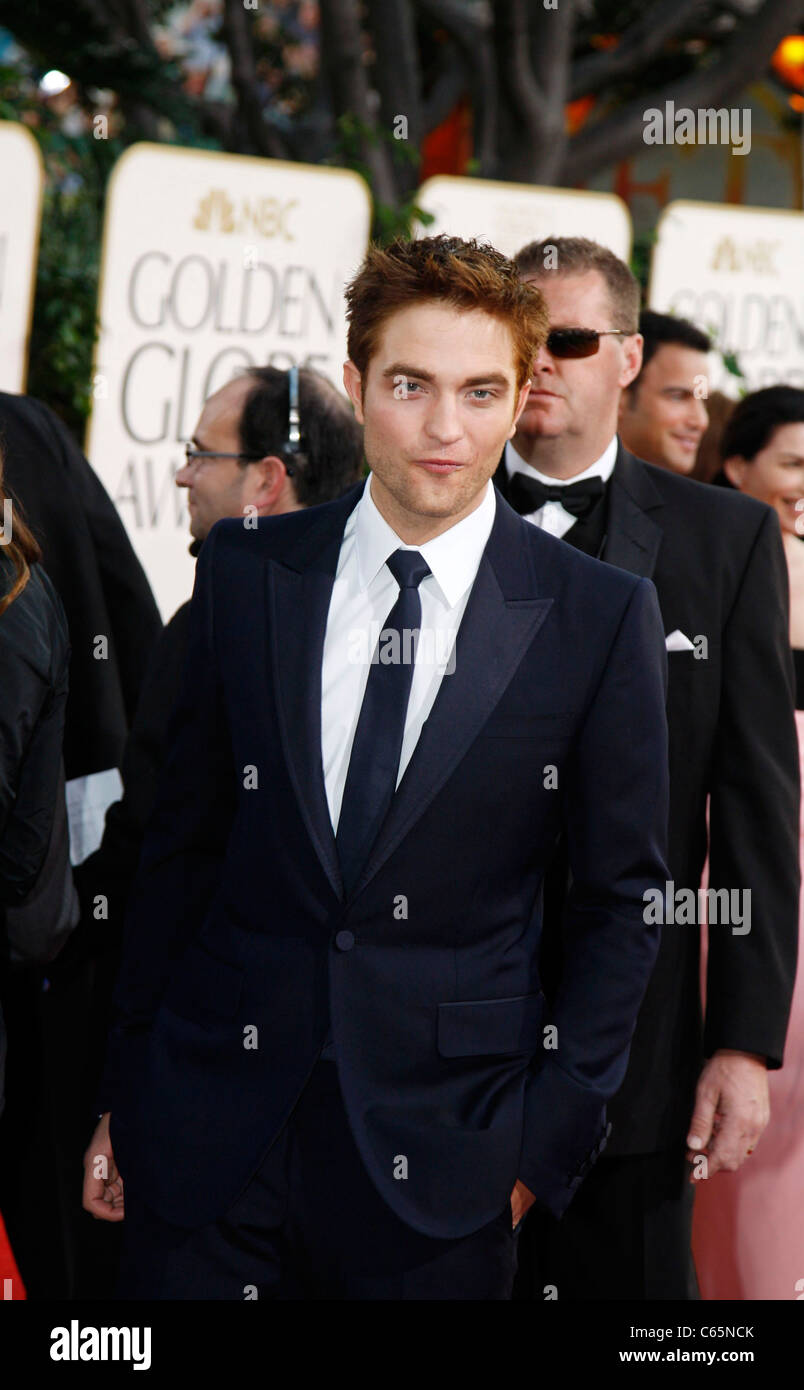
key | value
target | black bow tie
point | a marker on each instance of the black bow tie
(527, 494)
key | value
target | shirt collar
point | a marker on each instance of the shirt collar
(453, 556)
(601, 468)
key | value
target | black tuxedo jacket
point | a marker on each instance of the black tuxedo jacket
(241, 944)
(717, 561)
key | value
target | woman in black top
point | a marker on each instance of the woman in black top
(34, 656)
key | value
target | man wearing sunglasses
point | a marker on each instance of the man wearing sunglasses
(690, 1093)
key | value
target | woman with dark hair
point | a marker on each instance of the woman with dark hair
(38, 906)
(749, 1225)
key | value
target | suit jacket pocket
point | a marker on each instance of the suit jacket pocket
(204, 986)
(483, 1027)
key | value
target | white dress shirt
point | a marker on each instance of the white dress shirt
(552, 516)
(363, 594)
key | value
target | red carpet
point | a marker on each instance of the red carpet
(8, 1270)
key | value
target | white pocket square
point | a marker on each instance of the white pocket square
(677, 642)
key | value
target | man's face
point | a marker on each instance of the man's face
(661, 418)
(578, 397)
(218, 487)
(437, 401)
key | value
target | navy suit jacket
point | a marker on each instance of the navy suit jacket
(241, 946)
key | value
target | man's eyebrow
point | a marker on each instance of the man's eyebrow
(399, 369)
(489, 379)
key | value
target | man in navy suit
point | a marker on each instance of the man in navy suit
(332, 1073)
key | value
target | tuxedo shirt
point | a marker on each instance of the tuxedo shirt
(552, 516)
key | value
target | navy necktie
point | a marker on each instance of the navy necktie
(374, 761)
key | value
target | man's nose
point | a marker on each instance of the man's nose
(698, 415)
(542, 362)
(183, 476)
(443, 421)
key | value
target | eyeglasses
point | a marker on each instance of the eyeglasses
(191, 454)
(580, 342)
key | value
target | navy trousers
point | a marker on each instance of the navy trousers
(311, 1224)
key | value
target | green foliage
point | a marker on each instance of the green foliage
(353, 138)
(64, 322)
(63, 330)
(641, 253)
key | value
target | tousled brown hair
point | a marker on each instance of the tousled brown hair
(575, 255)
(464, 274)
(22, 550)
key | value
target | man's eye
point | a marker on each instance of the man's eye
(403, 387)
(482, 391)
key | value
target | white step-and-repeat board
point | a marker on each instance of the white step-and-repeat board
(211, 263)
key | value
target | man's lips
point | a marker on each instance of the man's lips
(438, 465)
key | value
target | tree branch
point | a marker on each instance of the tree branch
(471, 37)
(397, 74)
(536, 91)
(741, 59)
(640, 43)
(342, 50)
(264, 138)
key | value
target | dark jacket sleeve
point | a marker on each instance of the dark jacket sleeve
(133, 614)
(185, 843)
(616, 808)
(110, 871)
(754, 814)
(34, 660)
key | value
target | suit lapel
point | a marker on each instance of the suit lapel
(500, 621)
(633, 535)
(299, 593)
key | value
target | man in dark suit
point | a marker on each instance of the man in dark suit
(242, 458)
(718, 566)
(338, 1080)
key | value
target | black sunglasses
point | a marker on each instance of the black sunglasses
(579, 342)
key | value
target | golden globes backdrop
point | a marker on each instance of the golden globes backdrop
(736, 272)
(20, 210)
(211, 263)
(511, 214)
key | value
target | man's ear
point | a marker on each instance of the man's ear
(269, 474)
(353, 382)
(632, 365)
(520, 406)
(734, 467)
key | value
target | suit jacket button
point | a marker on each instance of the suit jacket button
(345, 940)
